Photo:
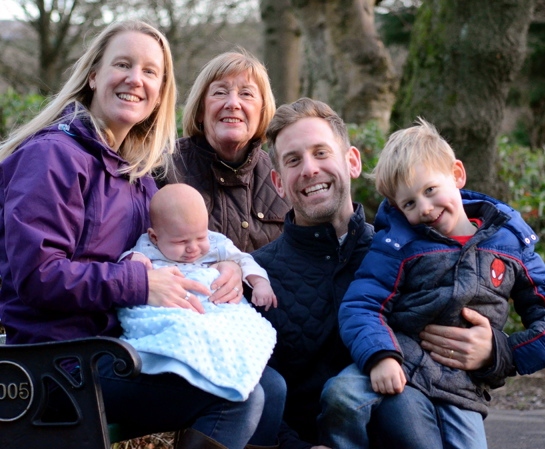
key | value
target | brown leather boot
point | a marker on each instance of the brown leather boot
(193, 439)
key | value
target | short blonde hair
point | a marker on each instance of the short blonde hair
(230, 63)
(418, 145)
(149, 142)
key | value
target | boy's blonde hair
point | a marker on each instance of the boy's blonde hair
(407, 148)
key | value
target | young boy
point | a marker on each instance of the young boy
(223, 350)
(438, 250)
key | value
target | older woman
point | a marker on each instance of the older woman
(226, 114)
(75, 188)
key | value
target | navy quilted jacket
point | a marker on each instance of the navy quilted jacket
(413, 276)
(310, 273)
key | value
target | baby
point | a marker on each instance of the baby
(179, 236)
(230, 343)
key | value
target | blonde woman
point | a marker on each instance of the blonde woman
(74, 194)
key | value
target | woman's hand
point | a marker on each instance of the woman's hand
(168, 287)
(228, 286)
(463, 348)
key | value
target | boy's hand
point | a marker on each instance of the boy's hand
(262, 294)
(387, 377)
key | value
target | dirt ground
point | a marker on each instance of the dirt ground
(521, 393)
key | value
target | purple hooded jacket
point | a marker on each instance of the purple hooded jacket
(66, 217)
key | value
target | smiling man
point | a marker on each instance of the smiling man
(312, 263)
(314, 162)
(310, 267)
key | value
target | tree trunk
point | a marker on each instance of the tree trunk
(462, 58)
(282, 49)
(348, 66)
(60, 28)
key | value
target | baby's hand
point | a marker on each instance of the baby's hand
(387, 377)
(139, 257)
(263, 294)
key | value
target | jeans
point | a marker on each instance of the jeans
(167, 402)
(274, 387)
(409, 420)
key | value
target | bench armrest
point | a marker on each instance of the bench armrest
(29, 372)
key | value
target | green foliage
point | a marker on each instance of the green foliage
(523, 170)
(179, 115)
(514, 323)
(520, 135)
(370, 140)
(395, 26)
(16, 109)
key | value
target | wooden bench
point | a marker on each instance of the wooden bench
(28, 373)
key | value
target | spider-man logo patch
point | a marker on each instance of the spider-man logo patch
(497, 272)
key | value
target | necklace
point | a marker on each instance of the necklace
(235, 170)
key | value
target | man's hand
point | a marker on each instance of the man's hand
(463, 348)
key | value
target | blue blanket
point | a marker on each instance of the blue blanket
(222, 351)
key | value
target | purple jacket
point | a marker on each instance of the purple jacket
(66, 216)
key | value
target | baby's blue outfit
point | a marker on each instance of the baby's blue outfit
(223, 351)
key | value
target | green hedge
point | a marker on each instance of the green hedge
(16, 109)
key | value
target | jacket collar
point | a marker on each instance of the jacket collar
(322, 239)
(76, 123)
(493, 212)
(222, 168)
(498, 214)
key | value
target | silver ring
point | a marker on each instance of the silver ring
(236, 289)
(187, 295)
(451, 353)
